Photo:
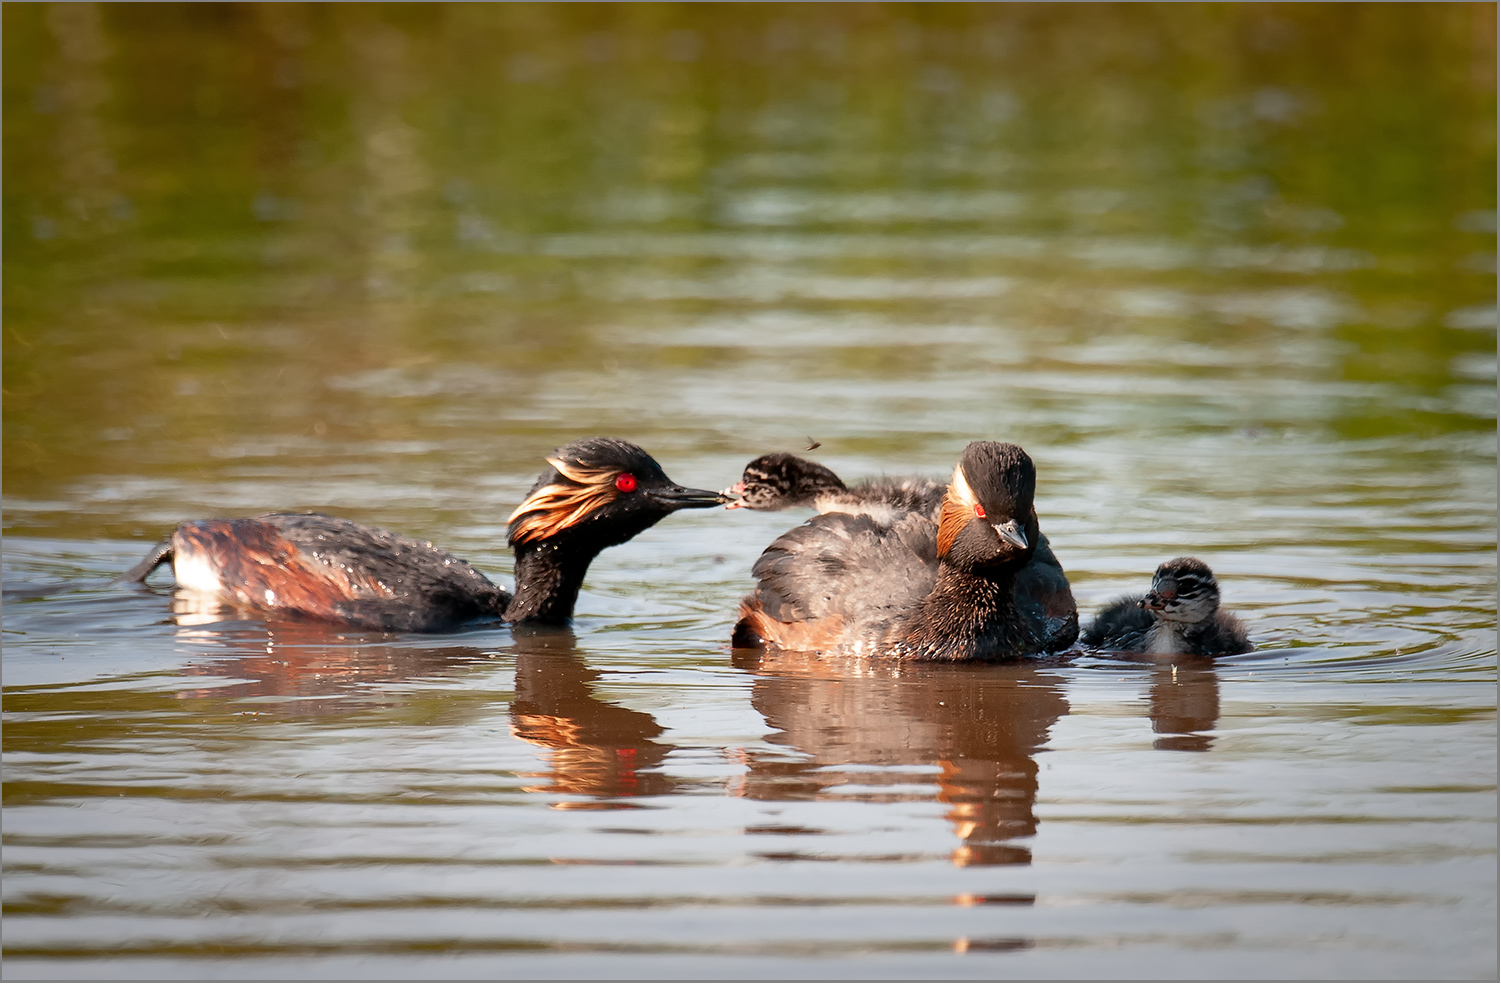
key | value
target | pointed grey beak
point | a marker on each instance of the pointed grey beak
(1012, 533)
(677, 497)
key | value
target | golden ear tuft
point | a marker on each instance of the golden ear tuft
(583, 474)
(555, 507)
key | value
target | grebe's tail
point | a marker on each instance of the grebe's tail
(160, 555)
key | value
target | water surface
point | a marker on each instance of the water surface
(1228, 274)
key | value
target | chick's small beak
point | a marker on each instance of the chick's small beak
(1012, 533)
(1157, 599)
(731, 496)
(677, 497)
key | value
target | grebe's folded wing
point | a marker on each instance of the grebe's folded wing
(402, 566)
(846, 566)
(1044, 598)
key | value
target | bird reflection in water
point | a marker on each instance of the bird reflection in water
(981, 726)
(594, 748)
(1184, 703)
(315, 668)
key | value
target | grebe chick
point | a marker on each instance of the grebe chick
(913, 589)
(779, 481)
(784, 481)
(596, 493)
(1180, 615)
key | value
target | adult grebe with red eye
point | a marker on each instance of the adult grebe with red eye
(912, 587)
(596, 493)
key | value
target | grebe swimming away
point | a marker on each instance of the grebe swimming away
(784, 481)
(1180, 615)
(597, 493)
(913, 588)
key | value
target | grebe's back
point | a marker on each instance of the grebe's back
(322, 567)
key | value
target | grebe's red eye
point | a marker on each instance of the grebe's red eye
(979, 510)
(625, 482)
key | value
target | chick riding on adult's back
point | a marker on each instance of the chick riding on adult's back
(780, 481)
(914, 588)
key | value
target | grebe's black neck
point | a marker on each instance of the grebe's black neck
(550, 571)
(598, 493)
(548, 578)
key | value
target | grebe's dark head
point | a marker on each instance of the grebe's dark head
(1183, 590)
(603, 490)
(987, 519)
(781, 481)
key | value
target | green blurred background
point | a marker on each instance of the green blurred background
(238, 231)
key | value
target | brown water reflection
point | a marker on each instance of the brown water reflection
(1185, 703)
(855, 726)
(594, 748)
(313, 668)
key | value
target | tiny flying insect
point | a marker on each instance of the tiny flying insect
(814, 445)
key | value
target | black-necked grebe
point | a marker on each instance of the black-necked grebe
(911, 589)
(597, 493)
(1180, 615)
(785, 481)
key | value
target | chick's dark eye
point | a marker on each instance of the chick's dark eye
(625, 482)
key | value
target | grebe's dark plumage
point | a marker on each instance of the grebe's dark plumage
(309, 565)
(597, 493)
(784, 481)
(913, 589)
(1180, 615)
(577, 508)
